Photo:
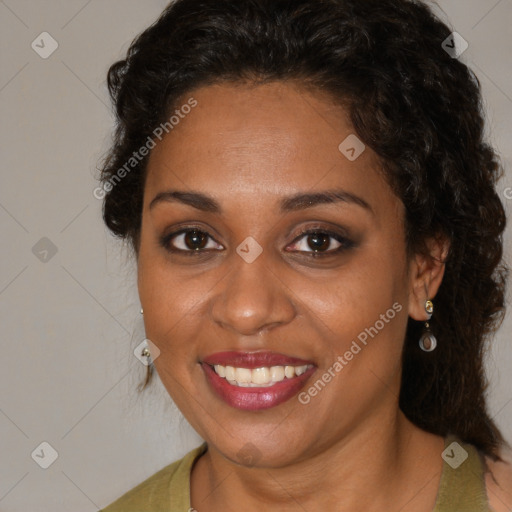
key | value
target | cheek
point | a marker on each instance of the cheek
(167, 301)
(362, 316)
(360, 323)
(175, 303)
(359, 294)
(171, 306)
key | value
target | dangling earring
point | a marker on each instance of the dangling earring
(145, 353)
(428, 341)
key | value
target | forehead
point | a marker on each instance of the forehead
(256, 141)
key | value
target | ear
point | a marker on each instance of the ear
(426, 273)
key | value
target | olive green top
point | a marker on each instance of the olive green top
(461, 489)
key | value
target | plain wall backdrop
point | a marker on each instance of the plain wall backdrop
(69, 312)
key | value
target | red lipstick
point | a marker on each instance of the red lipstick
(261, 397)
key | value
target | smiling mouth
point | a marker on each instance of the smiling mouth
(256, 380)
(266, 376)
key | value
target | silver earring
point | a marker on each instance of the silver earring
(145, 353)
(428, 341)
(141, 311)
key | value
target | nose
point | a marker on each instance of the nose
(252, 299)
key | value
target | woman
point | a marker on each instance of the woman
(313, 212)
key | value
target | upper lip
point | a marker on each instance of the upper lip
(253, 359)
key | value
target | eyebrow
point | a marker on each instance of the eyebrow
(296, 202)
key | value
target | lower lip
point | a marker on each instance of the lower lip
(254, 399)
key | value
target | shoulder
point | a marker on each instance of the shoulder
(161, 490)
(498, 481)
(145, 491)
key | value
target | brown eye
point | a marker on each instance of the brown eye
(319, 241)
(189, 241)
(195, 240)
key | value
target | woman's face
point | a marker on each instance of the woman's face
(250, 291)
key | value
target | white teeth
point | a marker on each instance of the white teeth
(258, 377)
(229, 373)
(289, 371)
(243, 375)
(220, 370)
(277, 373)
(299, 370)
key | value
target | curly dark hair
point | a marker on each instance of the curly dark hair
(418, 108)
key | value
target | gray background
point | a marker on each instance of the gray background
(70, 320)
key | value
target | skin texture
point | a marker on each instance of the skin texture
(248, 147)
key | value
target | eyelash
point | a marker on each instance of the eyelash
(346, 244)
